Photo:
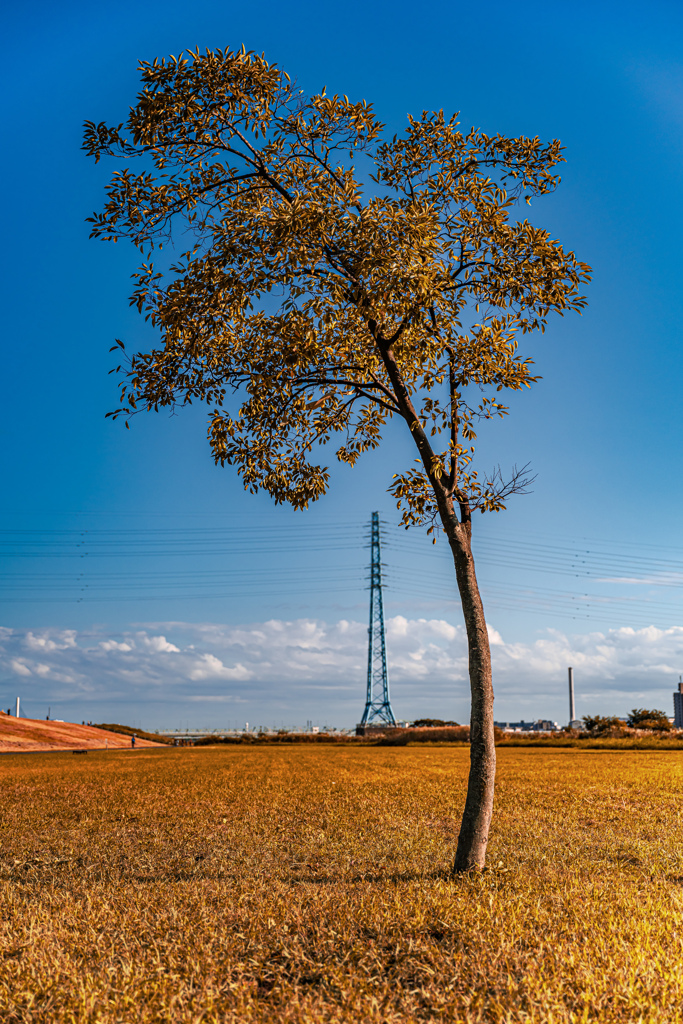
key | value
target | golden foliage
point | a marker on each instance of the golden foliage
(328, 279)
(310, 884)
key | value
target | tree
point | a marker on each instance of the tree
(642, 718)
(600, 725)
(332, 281)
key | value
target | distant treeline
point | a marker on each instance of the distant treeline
(634, 739)
(252, 739)
(381, 737)
(615, 737)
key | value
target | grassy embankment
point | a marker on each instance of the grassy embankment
(310, 884)
(140, 734)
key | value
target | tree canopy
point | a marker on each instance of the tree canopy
(646, 718)
(325, 279)
(599, 725)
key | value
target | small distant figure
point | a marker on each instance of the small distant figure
(132, 740)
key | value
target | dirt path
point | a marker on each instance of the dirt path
(23, 734)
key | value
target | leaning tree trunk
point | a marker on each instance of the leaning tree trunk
(476, 819)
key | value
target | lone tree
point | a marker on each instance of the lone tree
(332, 281)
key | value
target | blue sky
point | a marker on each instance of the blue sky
(114, 537)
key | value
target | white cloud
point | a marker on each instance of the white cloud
(495, 639)
(65, 638)
(210, 666)
(159, 644)
(306, 667)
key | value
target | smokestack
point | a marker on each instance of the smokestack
(572, 709)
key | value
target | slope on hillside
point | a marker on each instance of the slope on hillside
(23, 734)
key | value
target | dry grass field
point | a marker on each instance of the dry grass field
(310, 884)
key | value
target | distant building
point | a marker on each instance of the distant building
(540, 725)
(678, 707)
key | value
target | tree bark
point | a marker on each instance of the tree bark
(476, 819)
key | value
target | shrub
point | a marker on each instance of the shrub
(431, 723)
(447, 734)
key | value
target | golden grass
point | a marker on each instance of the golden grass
(310, 884)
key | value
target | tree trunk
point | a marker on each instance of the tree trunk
(476, 819)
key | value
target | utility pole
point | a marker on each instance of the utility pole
(377, 704)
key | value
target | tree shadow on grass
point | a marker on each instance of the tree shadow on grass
(373, 877)
(370, 878)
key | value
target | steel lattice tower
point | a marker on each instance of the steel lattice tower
(377, 704)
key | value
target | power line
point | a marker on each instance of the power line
(598, 563)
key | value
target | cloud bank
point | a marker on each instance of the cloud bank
(306, 669)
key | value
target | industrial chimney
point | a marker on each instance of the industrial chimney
(574, 723)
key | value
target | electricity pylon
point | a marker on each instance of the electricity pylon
(377, 704)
